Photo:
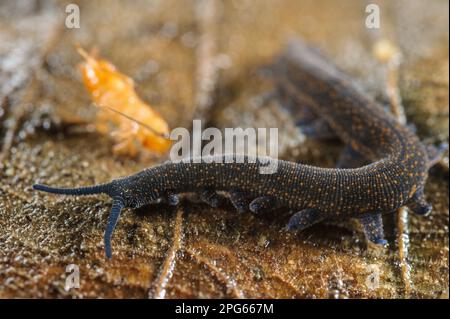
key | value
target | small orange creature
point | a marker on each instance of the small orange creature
(135, 125)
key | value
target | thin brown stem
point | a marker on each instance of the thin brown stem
(390, 55)
(159, 292)
(206, 15)
(217, 273)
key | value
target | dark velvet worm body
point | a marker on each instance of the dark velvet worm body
(383, 167)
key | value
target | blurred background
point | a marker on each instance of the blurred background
(207, 59)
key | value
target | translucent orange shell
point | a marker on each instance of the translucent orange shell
(112, 90)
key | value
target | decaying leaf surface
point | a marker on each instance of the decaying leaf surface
(203, 252)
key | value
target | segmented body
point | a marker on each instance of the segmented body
(395, 177)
